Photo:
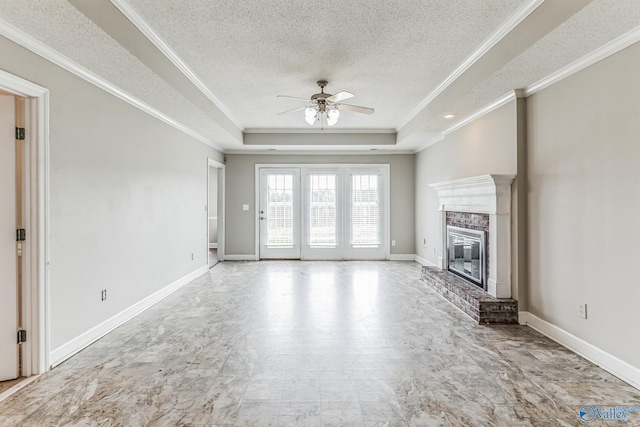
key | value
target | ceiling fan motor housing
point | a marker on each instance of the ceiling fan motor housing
(321, 97)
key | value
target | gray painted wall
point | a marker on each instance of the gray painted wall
(584, 199)
(487, 145)
(127, 199)
(240, 181)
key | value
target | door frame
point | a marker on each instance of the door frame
(303, 166)
(35, 258)
(220, 195)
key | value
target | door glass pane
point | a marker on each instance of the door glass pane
(322, 210)
(280, 210)
(365, 211)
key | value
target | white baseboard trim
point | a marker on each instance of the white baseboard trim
(73, 346)
(240, 258)
(610, 363)
(213, 246)
(424, 261)
(402, 257)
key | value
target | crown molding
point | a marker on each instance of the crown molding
(501, 32)
(141, 24)
(315, 152)
(429, 143)
(512, 95)
(586, 61)
(28, 42)
(312, 130)
(597, 55)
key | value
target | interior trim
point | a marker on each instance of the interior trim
(35, 317)
(597, 55)
(25, 40)
(83, 340)
(610, 363)
(511, 96)
(500, 33)
(141, 24)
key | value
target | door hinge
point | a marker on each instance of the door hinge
(21, 234)
(20, 134)
(22, 336)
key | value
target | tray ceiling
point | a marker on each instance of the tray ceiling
(216, 67)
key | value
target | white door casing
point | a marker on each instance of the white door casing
(35, 250)
(8, 254)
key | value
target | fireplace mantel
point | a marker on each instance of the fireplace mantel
(488, 194)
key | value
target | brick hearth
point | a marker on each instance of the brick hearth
(476, 303)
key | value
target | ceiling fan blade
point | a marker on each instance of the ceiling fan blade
(340, 96)
(293, 97)
(355, 108)
(294, 110)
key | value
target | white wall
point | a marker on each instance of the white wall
(240, 170)
(584, 200)
(127, 199)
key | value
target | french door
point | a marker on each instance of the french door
(324, 212)
(279, 213)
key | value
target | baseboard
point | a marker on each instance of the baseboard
(213, 246)
(610, 363)
(402, 257)
(240, 258)
(70, 348)
(424, 261)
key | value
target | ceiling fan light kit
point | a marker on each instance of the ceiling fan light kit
(324, 107)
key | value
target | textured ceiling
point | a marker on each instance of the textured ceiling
(389, 56)
(392, 55)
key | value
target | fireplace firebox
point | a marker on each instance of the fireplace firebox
(466, 254)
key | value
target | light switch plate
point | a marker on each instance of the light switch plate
(245, 207)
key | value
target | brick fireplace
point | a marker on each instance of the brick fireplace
(471, 203)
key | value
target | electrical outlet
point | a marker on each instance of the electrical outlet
(103, 295)
(582, 311)
(393, 243)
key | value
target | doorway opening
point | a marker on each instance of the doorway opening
(215, 211)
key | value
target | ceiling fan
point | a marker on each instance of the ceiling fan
(325, 107)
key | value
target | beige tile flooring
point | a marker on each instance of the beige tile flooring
(316, 343)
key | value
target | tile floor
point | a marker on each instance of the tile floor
(315, 343)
